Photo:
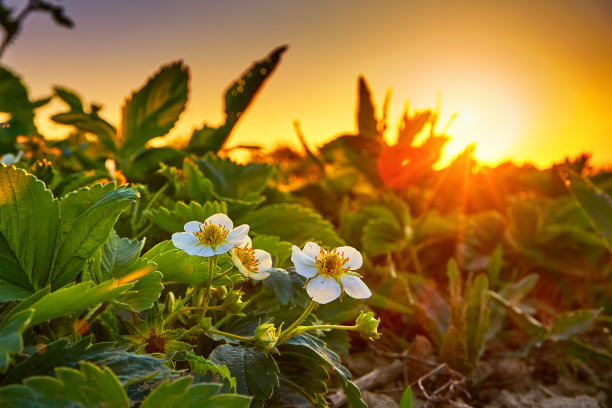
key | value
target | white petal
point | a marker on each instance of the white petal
(354, 287)
(323, 289)
(200, 250)
(245, 241)
(312, 249)
(192, 226)
(259, 275)
(355, 260)
(237, 234)
(221, 219)
(183, 240)
(223, 248)
(305, 265)
(238, 264)
(264, 260)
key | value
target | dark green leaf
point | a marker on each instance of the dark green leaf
(71, 98)
(367, 124)
(118, 254)
(147, 288)
(153, 110)
(238, 97)
(14, 100)
(256, 372)
(287, 286)
(90, 123)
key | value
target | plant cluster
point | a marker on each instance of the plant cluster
(152, 276)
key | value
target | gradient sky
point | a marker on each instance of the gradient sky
(530, 80)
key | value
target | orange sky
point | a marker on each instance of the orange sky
(530, 80)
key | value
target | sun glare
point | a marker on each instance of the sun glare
(494, 125)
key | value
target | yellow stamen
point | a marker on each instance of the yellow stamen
(332, 263)
(210, 234)
(247, 258)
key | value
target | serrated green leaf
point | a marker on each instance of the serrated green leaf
(182, 393)
(199, 188)
(292, 223)
(87, 219)
(255, 371)
(10, 336)
(288, 287)
(173, 220)
(149, 161)
(203, 367)
(117, 254)
(315, 349)
(238, 97)
(568, 324)
(381, 236)
(154, 109)
(128, 367)
(595, 202)
(147, 288)
(88, 387)
(29, 218)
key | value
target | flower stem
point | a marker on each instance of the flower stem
(221, 275)
(302, 329)
(224, 319)
(229, 335)
(211, 265)
(289, 331)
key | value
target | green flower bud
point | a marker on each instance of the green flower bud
(169, 302)
(266, 336)
(233, 302)
(218, 292)
(367, 326)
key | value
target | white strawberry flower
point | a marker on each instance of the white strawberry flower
(215, 236)
(330, 272)
(252, 263)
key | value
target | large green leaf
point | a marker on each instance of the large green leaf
(238, 97)
(129, 367)
(70, 299)
(154, 109)
(29, 218)
(293, 223)
(88, 387)
(255, 371)
(314, 349)
(181, 393)
(288, 287)
(595, 202)
(87, 219)
(10, 336)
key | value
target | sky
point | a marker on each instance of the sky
(529, 80)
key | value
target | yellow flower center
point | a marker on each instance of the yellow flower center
(247, 258)
(332, 263)
(211, 234)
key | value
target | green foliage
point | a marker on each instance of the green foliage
(293, 223)
(203, 367)
(255, 371)
(10, 336)
(173, 220)
(15, 101)
(595, 202)
(238, 97)
(154, 109)
(406, 401)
